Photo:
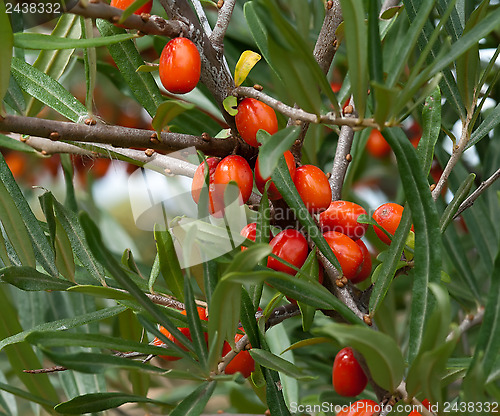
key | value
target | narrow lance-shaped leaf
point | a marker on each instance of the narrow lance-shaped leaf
(54, 63)
(128, 59)
(431, 127)
(49, 42)
(28, 278)
(15, 229)
(47, 90)
(5, 52)
(356, 38)
(98, 402)
(273, 148)
(426, 223)
(194, 404)
(272, 361)
(169, 263)
(64, 324)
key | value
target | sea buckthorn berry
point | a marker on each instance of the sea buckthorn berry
(348, 253)
(388, 217)
(252, 116)
(363, 407)
(366, 268)
(242, 362)
(313, 188)
(291, 246)
(199, 177)
(236, 169)
(348, 377)
(426, 404)
(202, 313)
(342, 216)
(180, 66)
(376, 145)
(123, 4)
(272, 191)
(249, 231)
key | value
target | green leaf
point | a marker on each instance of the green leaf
(43, 251)
(273, 147)
(76, 236)
(97, 340)
(54, 63)
(248, 319)
(375, 56)
(459, 197)
(128, 59)
(21, 356)
(431, 127)
(195, 328)
(169, 263)
(385, 99)
(167, 111)
(226, 299)
(27, 278)
(283, 181)
(5, 52)
(274, 394)
(272, 361)
(97, 402)
(13, 144)
(15, 229)
(489, 123)
(310, 267)
(488, 344)
(26, 395)
(14, 97)
(426, 223)
(230, 104)
(381, 353)
(93, 363)
(356, 37)
(47, 90)
(194, 404)
(94, 239)
(50, 42)
(64, 324)
(468, 64)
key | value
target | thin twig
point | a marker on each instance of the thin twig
(301, 115)
(220, 28)
(342, 158)
(119, 136)
(53, 369)
(202, 17)
(474, 195)
(153, 25)
(469, 321)
(456, 154)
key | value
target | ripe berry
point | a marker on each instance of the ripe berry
(242, 362)
(388, 217)
(348, 253)
(199, 177)
(236, 169)
(376, 145)
(363, 407)
(342, 216)
(123, 4)
(291, 246)
(202, 313)
(366, 268)
(273, 192)
(348, 377)
(252, 116)
(313, 188)
(180, 66)
(426, 404)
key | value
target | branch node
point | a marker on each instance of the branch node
(220, 3)
(367, 320)
(54, 136)
(90, 122)
(205, 137)
(145, 17)
(348, 157)
(329, 4)
(258, 87)
(149, 152)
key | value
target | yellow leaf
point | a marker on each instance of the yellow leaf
(247, 61)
